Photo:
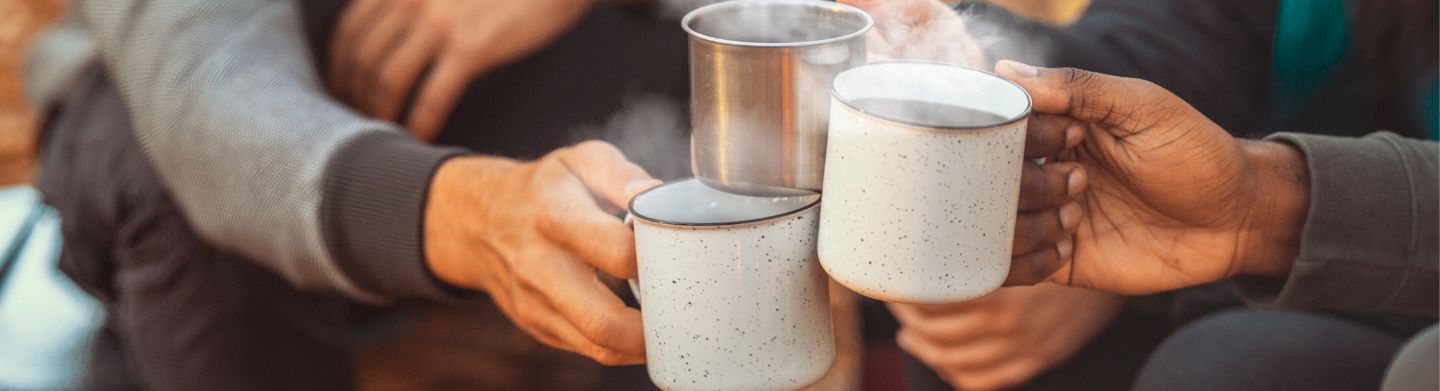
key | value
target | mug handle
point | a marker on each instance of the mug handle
(634, 282)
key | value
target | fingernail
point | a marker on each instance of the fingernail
(639, 185)
(1066, 248)
(1073, 135)
(1075, 183)
(1070, 216)
(1019, 68)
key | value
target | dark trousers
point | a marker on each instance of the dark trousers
(181, 315)
(1247, 349)
(1204, 338)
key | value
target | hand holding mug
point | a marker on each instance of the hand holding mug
(1173, 200)
(532, 235)
(929, 197)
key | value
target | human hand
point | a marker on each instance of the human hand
(381, 47)
(919, 30)
(1172, 199)
(532, 234)
(1006, 338)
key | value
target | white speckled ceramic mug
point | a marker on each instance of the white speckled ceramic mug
(922, 181)
(731, 292)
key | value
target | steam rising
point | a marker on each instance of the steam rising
(652, 131)
(927, 30)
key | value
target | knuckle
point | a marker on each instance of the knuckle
(1077, 76)
(600, 329)
(527, 318)
(390, 81)
(552, 170)
(526, 282)
(553, 219)
(605, 357)
(554, 156)
(1043, 264)
(596, 147)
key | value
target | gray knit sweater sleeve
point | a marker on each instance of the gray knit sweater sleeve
(228, 107)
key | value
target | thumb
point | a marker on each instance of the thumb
(1092, 97)
(606, 171)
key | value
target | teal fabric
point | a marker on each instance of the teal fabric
(1311, 39)
(1431, 108)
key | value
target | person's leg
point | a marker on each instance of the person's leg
(1248, 349)
(1415, 368)
(186, 315)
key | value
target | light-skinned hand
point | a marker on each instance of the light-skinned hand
(532, 235)
(919, 30)
(1006, 338)
(381, 48)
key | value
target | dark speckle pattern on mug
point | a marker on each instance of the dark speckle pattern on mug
(734, 308)
(917, 215)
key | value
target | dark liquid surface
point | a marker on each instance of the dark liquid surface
(927, 113)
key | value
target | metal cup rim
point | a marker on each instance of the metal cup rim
(869, 23)
(1029, 100)
(630, 209)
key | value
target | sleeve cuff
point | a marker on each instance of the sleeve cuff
(1363, 246)
(373, 213)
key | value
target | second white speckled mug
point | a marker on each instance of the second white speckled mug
(731, 292)
(920, 198)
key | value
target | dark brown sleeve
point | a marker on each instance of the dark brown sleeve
(1370, 239)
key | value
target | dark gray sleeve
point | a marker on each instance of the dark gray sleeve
(227, 106)
(1370, 241)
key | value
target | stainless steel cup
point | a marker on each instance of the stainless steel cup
(760, 73)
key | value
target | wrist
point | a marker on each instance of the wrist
(1270, 237)
(456, 192)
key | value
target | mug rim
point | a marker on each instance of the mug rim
(690, 16)
(935, 127)
(630, 210)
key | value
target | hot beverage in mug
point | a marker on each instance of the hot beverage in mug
(731, 292)
(922, 181)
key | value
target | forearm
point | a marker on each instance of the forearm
(1271, 238)
(1366, 238)
(227, 107)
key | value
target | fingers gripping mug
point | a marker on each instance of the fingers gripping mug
(731, 292)
(922, 181)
